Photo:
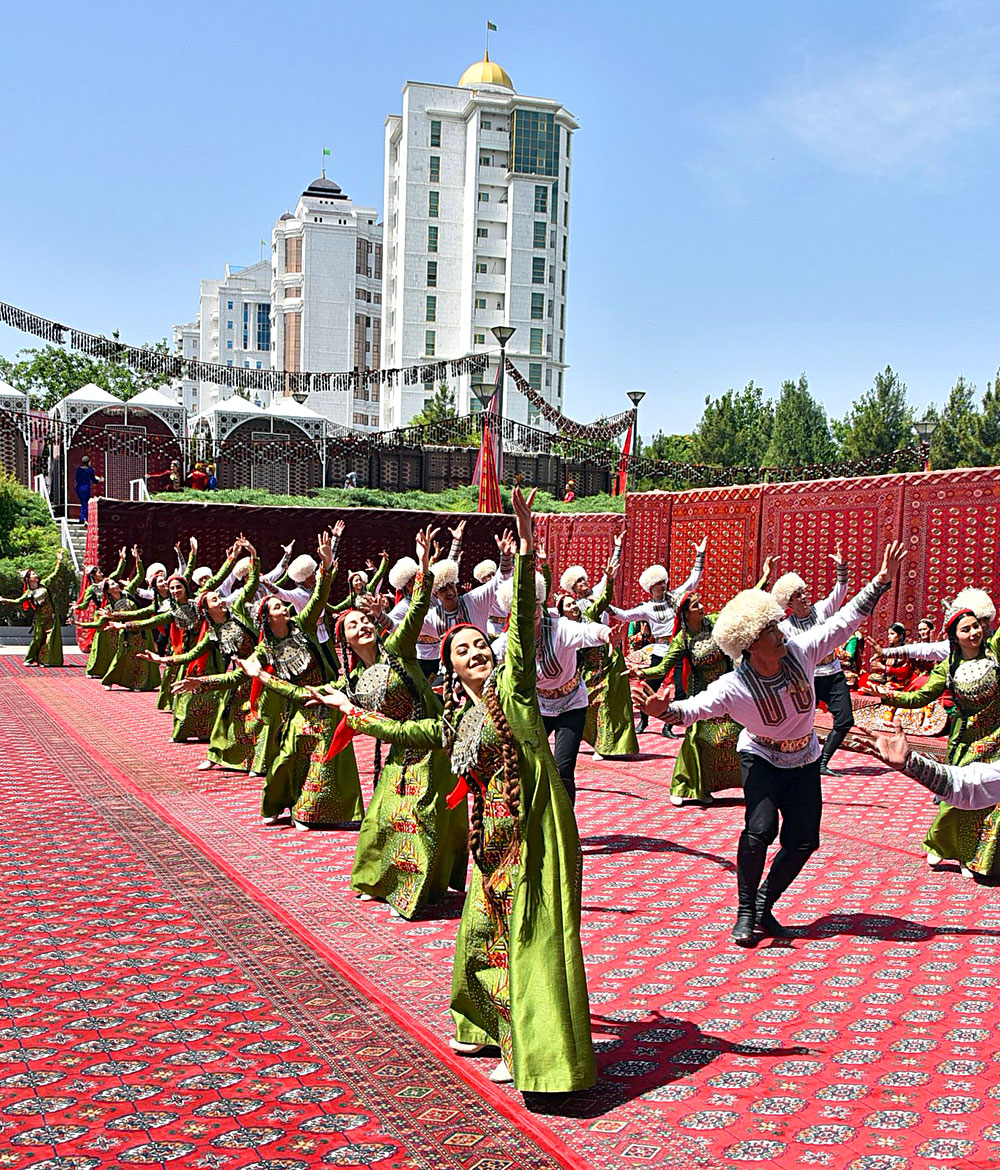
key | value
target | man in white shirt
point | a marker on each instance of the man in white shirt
(771, 693)
(661, 608)
(792, 594)
(562, 693)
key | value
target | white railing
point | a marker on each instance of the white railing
(137, 490)
(42, 488)
(67, 542)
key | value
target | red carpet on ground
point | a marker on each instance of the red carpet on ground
(183, 984)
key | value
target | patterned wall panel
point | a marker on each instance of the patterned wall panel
(581, 539)
(730, 518)
(952, 519)
(648, 540)
(802, 522)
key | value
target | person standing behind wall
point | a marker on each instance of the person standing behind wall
(86, 477)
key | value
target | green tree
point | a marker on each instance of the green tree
(675, 448)
(989, 424)
(438, 408)
(801, 433)
(956, 441)
(879, 422)
(48, 373)
(735, 429)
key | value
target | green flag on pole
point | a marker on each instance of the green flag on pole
(326, 150)
(491, 27)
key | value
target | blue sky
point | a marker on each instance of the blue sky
(759, 189)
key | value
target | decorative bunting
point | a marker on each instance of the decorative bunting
(601, 430)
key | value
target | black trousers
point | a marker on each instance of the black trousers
(832, 689)
(569, 732)
(430, 666)
(791, 798)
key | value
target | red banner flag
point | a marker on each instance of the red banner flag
(620, 486)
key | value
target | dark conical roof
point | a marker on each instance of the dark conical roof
(324, 188)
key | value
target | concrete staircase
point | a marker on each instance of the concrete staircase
(78, 538)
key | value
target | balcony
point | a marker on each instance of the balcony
(494, 139)
(490, 282)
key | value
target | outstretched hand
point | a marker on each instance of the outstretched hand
(522, 510)
(324, 546)
(250, 666)
(425, 539)
(335, 700)
(892, 559)
(700, 548)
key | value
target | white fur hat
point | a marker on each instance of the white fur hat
(241, 570)
(201, 575)
(570, 577)
(302, 568)
(156, 569)
(785, 586)
(652, 576)
(978, 601)
(484, 571)
(505, 592)
(744, 619)
(403, 572)
(445, 573)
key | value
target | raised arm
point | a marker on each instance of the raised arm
(922, 651)
(116, 573)
(139, 575)
(675, 652)
(313, 608)
(218, 578)
(519, 664)
(403, 640)
(697, 569)
(976, 786)
(838, 594)
(240, 600)
(50, 580)
(913, 700)
(379, 574)
(191, 558)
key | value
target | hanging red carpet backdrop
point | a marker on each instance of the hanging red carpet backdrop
(648, 543)
(804, 521)
(579, 539)
(954, 517)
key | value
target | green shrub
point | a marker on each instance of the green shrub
(29, 538)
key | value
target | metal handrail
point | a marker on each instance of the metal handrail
(137, 490)
(67, 542)
(42, 488)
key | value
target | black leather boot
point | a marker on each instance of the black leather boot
(643, 723)
(746, 920)
(750, 858)
(767, 924)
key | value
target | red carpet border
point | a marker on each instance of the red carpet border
(869, 1041)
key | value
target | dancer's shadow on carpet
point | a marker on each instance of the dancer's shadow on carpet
(883, 926)
(646, 1057)
(631, 843)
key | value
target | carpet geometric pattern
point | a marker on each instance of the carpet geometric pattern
(868, 1041)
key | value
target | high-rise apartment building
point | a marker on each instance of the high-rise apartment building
(326, 292)
(476, 231)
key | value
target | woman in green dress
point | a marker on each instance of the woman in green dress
(45, 648)
(610, 726)
(707, 761)
(115, 598)
(289, 650)
(87, 604)
(361, 584)
(228, 625)
(972, 674)
(519, 982)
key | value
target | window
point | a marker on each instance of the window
(541, 200)
(376, 350)
(432, 308)
(481, 266)
(246, 326)
(360, 329)
(432, 238)
(484, 196)
(229, 344)
(258, 365)
(432, 273)
(537, 306)
(485, 160)
(562, 317)
(263, 327)
(378, 261)
(362, 251)
(429, 342)
(246, 365)
(486, 124)
(293, 342)
(229, 324)
(435, 133)
(535, 375)
(564, 282)
(565, 239)
(292, 292)
(229, 305)
(562, 349)
(480, 302)
(534, 417)
(483, 233)
(538, 270)
(534, 138)
(560, 383)
(537, 338)
(540, 234)
(293, 254)
(435, 168)
(565, 213)
(433, 203)
(479, 339)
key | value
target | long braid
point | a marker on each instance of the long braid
(448, 732)
(511, 781)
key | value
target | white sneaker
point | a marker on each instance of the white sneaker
(206, 765)
(933, 859)
(677, 801)
(271, 820)
(365, 898)
(966, 872)
(464, 1049)
(597, 756)
(394, 913)
(300, 826)
(501, 1075)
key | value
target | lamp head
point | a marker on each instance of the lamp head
(502, 333)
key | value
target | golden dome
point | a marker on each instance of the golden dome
(486, 72)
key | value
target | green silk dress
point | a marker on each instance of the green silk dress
(519, 980)
(610, 726)
(46, 646)
(707, 761)
(412, 847)
(966, 836)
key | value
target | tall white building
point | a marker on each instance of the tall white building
(476, 204)
(326, 289)
(233, 328)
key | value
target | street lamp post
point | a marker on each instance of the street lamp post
(503, 334)
(635, 397)
(925, 432)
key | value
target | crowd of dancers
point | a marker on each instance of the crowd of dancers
(478, 702)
